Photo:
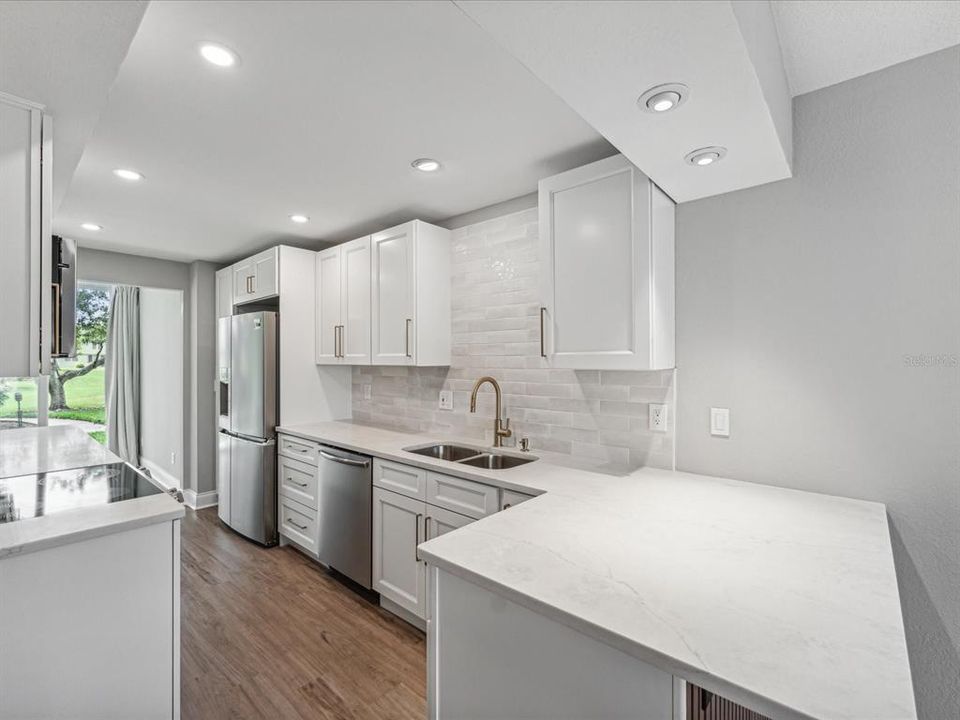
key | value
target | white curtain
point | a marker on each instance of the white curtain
(122, 368)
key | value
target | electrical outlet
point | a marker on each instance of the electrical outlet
(173, 458)
(658, 417)
(367, 391)
(720, 422)
(446, 400)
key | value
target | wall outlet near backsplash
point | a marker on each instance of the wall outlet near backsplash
(446, 400)
(658, 417)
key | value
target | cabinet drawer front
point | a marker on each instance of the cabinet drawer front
(302, 450)
(403, 479)
(299, 523)
(463, 496)
(298, 481)
(509, 498)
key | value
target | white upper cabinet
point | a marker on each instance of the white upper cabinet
(257, 277)
(410, 291)
(343, 304)
(25, 189)
(225, 292)
(607, 240)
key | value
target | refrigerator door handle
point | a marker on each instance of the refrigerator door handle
(345, 461)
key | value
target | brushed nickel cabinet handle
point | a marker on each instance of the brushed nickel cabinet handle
(543, 345)
(299, 527)
(342, 353)
(417, 538)
(407, 336)
(336, 350)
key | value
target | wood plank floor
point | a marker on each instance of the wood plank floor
(266, 633)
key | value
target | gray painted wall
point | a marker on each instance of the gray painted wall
(201, 475)
(195, 282)
(824, 311)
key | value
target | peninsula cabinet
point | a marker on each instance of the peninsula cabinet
(343, 304)
(410, 295)
(25, 247)
(607, 243)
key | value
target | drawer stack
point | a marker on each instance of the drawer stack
(297, 488)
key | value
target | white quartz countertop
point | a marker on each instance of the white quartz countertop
(782, 600)
(49, 449)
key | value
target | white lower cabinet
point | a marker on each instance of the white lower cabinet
(439, 521)
(398, 575)
(400, 523)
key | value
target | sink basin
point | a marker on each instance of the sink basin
(444, 451)
(490, 461)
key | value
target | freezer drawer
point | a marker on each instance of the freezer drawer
(223, 476)
(253, 489)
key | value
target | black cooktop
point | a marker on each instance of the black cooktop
(35, 495)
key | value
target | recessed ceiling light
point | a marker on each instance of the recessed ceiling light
(131, 175)
(663, 98)
(706, 156)
(92, 227)
(218, 55)
(426, 165)
(299, 218)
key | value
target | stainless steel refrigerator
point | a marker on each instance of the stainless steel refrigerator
(246, 453)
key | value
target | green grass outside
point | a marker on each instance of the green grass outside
(99, 435)
(84, 396)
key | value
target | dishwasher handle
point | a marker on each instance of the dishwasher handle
(344, 461)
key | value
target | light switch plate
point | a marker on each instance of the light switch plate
(720, 422)
(367, 391)
(658, 417)
(446, 400)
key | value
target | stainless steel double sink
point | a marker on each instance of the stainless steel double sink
(466, 455)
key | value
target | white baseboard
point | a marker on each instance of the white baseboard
(197, 501)
(160, 475)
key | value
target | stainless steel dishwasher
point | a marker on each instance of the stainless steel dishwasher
(344, 497)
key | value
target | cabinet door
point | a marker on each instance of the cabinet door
(439, 521)
(393, 294)
(24, 253)
(595, 225)
(355, 302)
(397, 573)
(225, 292)
(328, 306)
(243, 278)
(265, 274)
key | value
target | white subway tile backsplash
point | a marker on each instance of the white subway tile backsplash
(598, 415)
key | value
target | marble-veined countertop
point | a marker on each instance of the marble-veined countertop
(48, 449)
(782, 600)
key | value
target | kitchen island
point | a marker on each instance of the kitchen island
(610, 590)
(89, 582)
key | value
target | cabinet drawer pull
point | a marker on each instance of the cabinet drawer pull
(299, 527)
(543, 344)
(406, 331)
(300, 484)
(340, 335)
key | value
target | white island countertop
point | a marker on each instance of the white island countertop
(782, 600)
(50, 449)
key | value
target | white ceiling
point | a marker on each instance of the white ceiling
(327, 108)
(824, 43)
(599, 56)
(65, 55)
